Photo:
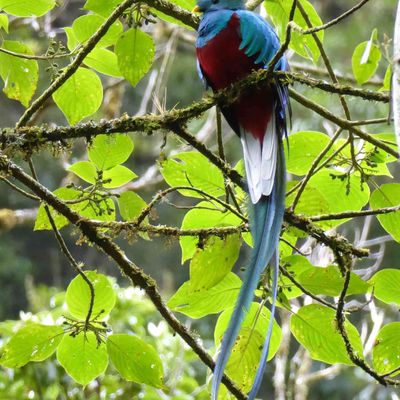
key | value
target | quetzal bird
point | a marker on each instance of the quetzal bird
(232, 42)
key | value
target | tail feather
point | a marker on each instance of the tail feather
(267, 222)
(280, 186)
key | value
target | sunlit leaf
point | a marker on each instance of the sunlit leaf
(206, 215)
(83, 84)
(328, 192)
(102, 7)
(304, 147)
(27, 8)
(20, 75)
(78, 296)
(245, 356)
(388, 195)
(103, 61)
(329, 281)
(42, 222)
(117, 176)
(386, 285)
(85, 26)
(304, 45)
(387, 79)
(86, 170)
(314, 326)
(135, 360)
(213, 261)
(130, 205)
(33, 342)
(4, 22)
(365, 59)
(199, 303)
(386, 350)
(193, 169)
(135, 52)
(107, 151)
(82, 357)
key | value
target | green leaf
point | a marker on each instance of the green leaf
(388, 195)
(199, 303)
(82, 357)
(245, 356)
(72, 41)
(135, 52)
(295, 265)
(43, 223)
(386, 351)
(387, 286)
(329, 281)
(304, 147)
(27, 8)
(80, 96)
(206, 216)
(193, 169)
(83, 207)
(106, 212)
(33, 342)
(372, 159)
(86, 170)
(78, 296)
(365, 59)
(211, 263)
(20, 75)
(387, 79)
(108, 151)
(85, 26)
(314, 327)
(304, 45)
(4, 22)
(327, 192)
(102, 7)
(103, 61)
(135, 360)
(130, 205)
(118, 176)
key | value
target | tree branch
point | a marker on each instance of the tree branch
(128, 268)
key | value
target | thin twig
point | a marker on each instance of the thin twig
(345, 266)
(41, 57)
(77, 266)
(19, 190)
(343, 123)
(304, 290)
(333, 21)
(284, 46)
(354, 214)
(314, 165)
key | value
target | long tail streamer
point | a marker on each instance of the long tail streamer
(266, 226)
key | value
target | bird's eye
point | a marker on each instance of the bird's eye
(215, 1)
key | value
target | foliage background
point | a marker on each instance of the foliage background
(32, 269)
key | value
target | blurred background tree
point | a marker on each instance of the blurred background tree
(34, 273)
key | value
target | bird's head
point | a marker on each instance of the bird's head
(214, 5)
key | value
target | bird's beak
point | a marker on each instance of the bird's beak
(197, 9)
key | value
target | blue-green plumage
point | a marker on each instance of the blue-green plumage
(232, 42)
